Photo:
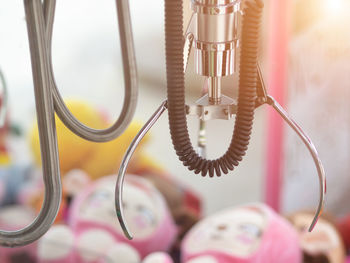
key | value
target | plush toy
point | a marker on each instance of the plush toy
(158, 257)
(323, 244)
(96, 159)
(61, 245)
(344, 228)
(145, 210)
(94, 234)
(120, 252)
(101, 159)
(57, 245)
(14, 218)
(4, 132)
(250, 233)
(185, 206)
(18, 184)
(73, 183)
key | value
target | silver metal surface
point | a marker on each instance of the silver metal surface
(187, 48)
(202, 140)
(312, 149)
(47, 132)
(130, 79)
(264, 98)
(215, 63)
(215, 37)
(4, 99)
(124, 166)
(215, 7)
(205, 110)
(218, 111)
(48, 99)
(214, 89)
(215, 2)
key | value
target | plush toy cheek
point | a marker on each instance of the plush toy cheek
(120, 252)
(203, 259)
(158, 257)
(13, 218)
(57, 245)
(92, 244)
(141, 221)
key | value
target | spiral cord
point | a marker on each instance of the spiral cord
(248, 78)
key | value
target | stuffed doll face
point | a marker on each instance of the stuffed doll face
(142, 208)
(236, 232)
(323, 240)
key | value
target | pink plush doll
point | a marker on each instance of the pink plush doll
(13, 218)
(61, 245)
(324, 244)
(145, 210)
(246, 234)
(158, 257)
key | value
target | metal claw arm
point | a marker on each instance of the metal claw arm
(124, 165)
(47, 133)
(264, 98)
(130, 79)
(312, 149)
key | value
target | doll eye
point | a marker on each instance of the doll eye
(147, 213)
(221, 227)
(302, 229)
(100, 195)
(251, 229)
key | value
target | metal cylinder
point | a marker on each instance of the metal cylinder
(216, 36)
(214, 89)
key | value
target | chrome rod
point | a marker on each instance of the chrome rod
(47, 132)
(124, 165)
(312, 149)
(263, 98)
(39, 18)
(130, 79)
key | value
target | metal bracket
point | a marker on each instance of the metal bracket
(206, 111)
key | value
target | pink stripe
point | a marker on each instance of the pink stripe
(277, 78)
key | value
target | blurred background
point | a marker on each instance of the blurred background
(87, 64)
(315, 91)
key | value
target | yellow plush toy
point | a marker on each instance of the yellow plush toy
(96, 159)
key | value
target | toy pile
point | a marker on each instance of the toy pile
(164, 216)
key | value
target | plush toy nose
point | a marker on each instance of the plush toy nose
(141, 221)
(245, 239)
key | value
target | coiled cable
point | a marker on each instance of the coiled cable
(248, 78)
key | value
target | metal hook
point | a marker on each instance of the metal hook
(48, 99)
(130, 78)
(4, 100)
(124, 165)
(267, 99)
(47, 133)
(312, 149)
